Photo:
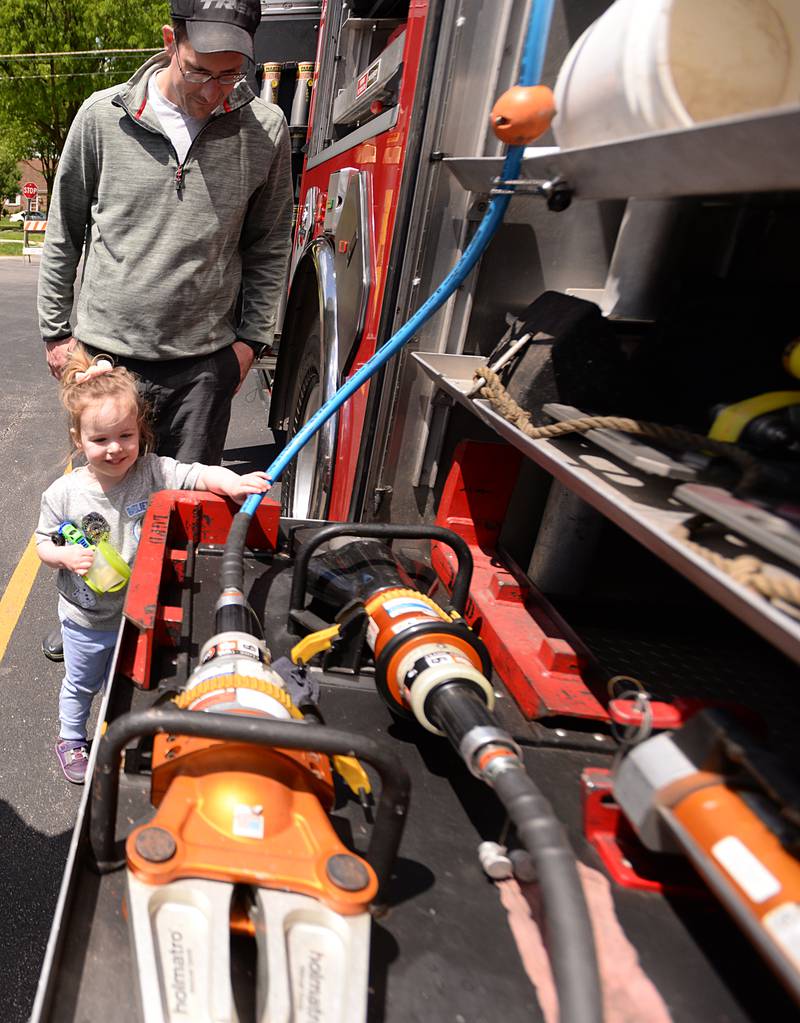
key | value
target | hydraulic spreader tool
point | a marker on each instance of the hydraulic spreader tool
(241, 844)
(237, 847)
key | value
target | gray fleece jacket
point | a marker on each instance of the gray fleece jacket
(167, 247)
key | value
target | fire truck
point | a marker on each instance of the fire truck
(513, 662)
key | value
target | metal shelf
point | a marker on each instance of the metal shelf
(290, 8)
(757, 153)
(641, 505)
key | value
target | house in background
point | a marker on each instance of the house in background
(31, 170)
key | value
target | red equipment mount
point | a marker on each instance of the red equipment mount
(627, 861)
(543, 664)
(175, 523)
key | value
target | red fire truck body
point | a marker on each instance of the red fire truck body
(377, 155)
(382, 158)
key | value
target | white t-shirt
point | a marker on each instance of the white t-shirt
(178, 126)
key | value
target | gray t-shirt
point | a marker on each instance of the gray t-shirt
(78, 498)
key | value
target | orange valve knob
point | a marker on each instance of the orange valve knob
(523, 113)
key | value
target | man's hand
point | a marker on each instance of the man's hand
(58, 355)
(246, 356)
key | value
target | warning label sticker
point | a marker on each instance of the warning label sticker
(403, 605)
(758, 883)
(368, 78)
(248, 821)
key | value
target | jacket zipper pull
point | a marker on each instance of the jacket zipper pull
(179, 182)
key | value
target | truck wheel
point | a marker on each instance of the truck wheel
(298, 485)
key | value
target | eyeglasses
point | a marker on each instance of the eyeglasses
(201, 77)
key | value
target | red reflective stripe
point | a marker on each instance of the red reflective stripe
(140, 111)
(226, 106)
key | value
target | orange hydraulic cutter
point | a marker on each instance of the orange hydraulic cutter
(710, 791)
(240, 844)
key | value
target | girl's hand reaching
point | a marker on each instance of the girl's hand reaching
(230, 484)
(251, 483)
(77, 559)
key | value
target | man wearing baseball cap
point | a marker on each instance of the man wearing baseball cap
(175, 186)
(214, 27)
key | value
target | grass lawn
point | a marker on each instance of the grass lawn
(11, 238)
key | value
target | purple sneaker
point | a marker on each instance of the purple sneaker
(73, 756)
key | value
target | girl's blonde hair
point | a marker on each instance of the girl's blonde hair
(118, 383)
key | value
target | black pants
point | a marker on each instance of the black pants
(190, 401)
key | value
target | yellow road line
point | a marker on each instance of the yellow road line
(19, 586)
(13, 600)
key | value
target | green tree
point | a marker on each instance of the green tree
(40, 96)
(9, 175)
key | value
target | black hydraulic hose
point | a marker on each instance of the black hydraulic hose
(458, 707)
(232, 571)
(385, 531)
(233, 618)
(390, 814)
(460, 710)
(231, 613)
(569, 938)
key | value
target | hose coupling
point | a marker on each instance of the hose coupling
(485, 750)
(230, 596)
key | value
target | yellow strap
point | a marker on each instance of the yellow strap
(310, 646)
(352, 773)
(731, 421)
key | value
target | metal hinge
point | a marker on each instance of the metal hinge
(556, 192)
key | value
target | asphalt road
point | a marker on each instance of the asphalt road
(37, 806)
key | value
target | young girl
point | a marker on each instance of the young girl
(106, 499)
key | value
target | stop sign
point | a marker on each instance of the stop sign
(30, 189)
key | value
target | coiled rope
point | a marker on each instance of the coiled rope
(746, 569)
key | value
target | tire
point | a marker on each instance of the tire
(299, 485)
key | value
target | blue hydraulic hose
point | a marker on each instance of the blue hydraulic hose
(530, 74)
(567, 922)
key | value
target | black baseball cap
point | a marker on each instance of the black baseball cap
(216, 26)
